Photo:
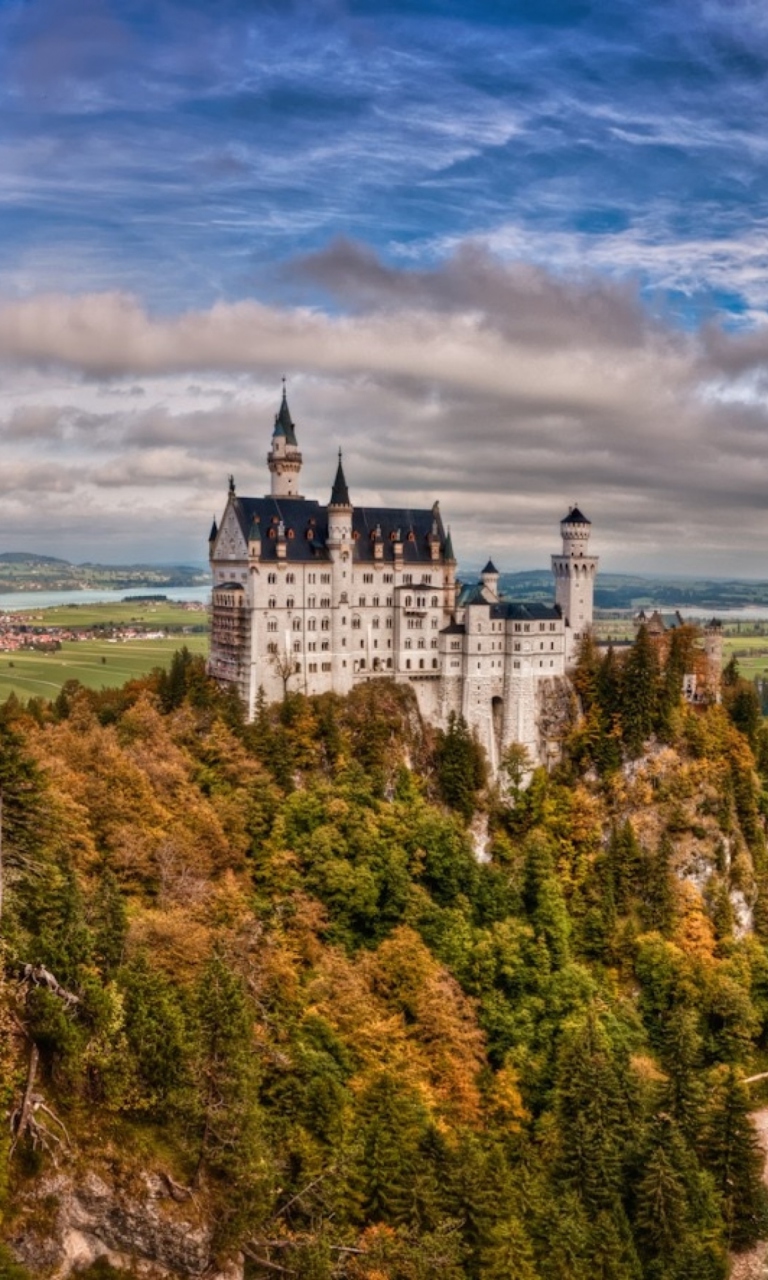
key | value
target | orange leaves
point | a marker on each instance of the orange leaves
(400, 1010)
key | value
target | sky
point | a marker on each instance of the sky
(512, 256)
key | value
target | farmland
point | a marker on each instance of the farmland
(97, 664)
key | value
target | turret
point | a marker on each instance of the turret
(284, 459)
(574, 572)
(490, 580)
(339, 509)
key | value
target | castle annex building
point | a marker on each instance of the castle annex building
(316, 596)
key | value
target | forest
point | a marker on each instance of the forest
(365, 1012)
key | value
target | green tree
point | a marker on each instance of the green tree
(460, 766)
(639, 692)
(732, 1154)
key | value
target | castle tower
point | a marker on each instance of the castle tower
(340, 548)
(490, 580)
(284, 459)
(574, 572)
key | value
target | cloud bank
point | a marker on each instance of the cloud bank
(502, 389)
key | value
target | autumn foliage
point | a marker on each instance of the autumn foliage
(367, 1053)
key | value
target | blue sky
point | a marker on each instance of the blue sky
(508, 255)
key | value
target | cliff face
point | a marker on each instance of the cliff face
(66, 1223)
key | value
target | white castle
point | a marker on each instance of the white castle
(312, 597)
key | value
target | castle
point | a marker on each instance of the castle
(313, 597)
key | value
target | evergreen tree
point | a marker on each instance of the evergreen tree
(732, 1153)
(640, 692)
(592, 1114)
(460, 766)
(659, 889)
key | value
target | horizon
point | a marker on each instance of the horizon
(507, 257)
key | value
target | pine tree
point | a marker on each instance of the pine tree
(659, 889)
(592, 1114)
(460, 766)
(640, 692)
(732, 1153)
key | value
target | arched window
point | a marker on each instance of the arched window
(272, 624)
(271, 578)
(273, 602)
(312, 624)
(325, 624)
(375, 624)
(297, 624)
(289, 602)
(435, 602)
(434, 662)
(408, 601)
(409, 643)
(297, 646)
(422, 644)
(290, 578)
(356, 623)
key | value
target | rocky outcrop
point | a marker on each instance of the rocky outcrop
(71, 1223)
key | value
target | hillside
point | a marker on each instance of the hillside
(28, 571)
(634, 591)
(310, 998)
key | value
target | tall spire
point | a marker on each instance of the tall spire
(340, 492)
(284, 422)
(284, 459)
(448, 554)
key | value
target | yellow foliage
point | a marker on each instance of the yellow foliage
(505, 1102)
(177, 942)
(694, 933)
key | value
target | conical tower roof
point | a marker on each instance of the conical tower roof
(340, 492)
(284, 422)
(448, 548)
(575, 517)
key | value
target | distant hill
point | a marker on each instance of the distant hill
(28, 571)
(28, 557)
(633, 591)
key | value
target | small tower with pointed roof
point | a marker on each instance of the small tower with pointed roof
(574, 572)
(339, 509)
(490, 580)
(284, 458)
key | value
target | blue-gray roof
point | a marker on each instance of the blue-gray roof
(284, 422)
(575, 517)
(306, 529)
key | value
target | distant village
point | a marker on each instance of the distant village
(30, 631)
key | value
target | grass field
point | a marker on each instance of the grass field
(161, 614)
(97, 664)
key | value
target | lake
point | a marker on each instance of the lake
(26, 601)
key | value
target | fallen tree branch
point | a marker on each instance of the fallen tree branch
(263, 1262)
(20, 1117)
(36, 975)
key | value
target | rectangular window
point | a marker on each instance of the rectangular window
(325, 577)
(367, 577)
